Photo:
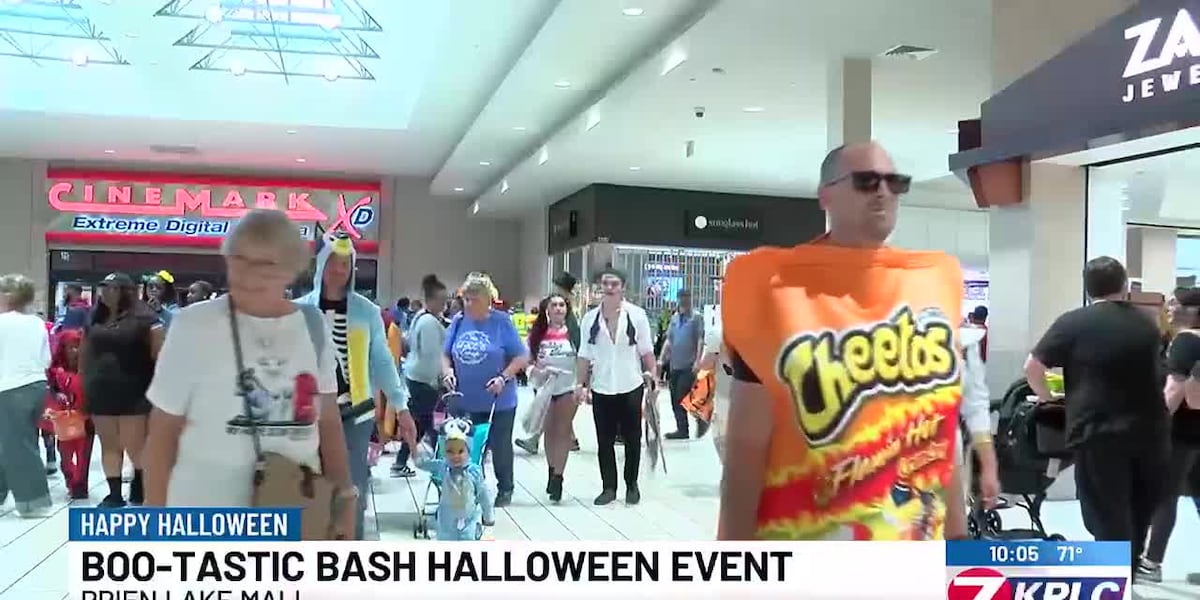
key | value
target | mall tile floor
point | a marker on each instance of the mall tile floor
(679, 505)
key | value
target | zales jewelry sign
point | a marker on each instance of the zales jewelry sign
(1181, 44)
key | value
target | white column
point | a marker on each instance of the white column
(849, 116)
(1106, 214)
(1035, 266)
(849, 110)
(1152, 258)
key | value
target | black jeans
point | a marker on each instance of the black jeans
(500, 442)
(1120, 482)
(1183, 459)
(618, 414)
(421, 400)
(680, 384)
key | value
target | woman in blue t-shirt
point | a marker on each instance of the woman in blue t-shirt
(483, 355)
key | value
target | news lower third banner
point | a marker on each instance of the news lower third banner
(255, 554)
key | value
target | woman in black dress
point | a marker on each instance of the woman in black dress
(119, 349)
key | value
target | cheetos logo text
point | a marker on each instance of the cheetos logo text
(830, 374)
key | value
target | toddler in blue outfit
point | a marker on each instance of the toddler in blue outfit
(464, 507)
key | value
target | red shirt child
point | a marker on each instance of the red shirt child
(66, 394)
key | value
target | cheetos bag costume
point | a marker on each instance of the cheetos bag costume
(857, 350)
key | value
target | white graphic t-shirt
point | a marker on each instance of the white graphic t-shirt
(196, 378)
(557, 355)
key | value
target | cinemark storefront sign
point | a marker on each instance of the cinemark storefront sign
(191, 210)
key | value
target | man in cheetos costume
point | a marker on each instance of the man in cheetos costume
(843, 421)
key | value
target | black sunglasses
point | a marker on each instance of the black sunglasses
(869, 181)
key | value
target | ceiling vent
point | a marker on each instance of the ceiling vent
(910, 52)
(176, 150)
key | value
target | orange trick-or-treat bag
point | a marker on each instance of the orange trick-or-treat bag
(857, 350)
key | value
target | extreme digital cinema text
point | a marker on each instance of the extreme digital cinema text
(438, 566)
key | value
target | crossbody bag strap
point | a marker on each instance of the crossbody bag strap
(244, 385)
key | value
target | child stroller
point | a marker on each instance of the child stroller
(443, 411)
(1030, 452)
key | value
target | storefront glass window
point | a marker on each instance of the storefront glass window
(1142, 212)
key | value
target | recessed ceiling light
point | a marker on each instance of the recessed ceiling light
(80, 58)
(544, 156)
(753, 109)
(562, 84)
(110, 151)
(635, 168)
(458, 189)
(475, 208)
(301, 160)
(291, 132)
(484, 163)
(504, 186)
(633, 11)
(237, 68)
(519, 128)
(214, 14)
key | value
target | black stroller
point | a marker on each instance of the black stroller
(1030, 452)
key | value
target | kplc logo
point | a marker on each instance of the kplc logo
(980, 583)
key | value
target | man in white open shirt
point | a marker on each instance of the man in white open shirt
(616, 364)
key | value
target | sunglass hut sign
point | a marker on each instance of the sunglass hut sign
(1162, 63)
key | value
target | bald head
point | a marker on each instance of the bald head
(861, 206)
(833, 166)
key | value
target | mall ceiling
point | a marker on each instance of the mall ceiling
(536, 97)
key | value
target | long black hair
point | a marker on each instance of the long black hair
(541, 323)
(127, 303)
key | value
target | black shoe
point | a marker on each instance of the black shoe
(677, 435)
(530, 446)
(632, 495)
(605, 497)
(51, 470)
(503, 499)
(1148, 573)
(574, 445)
(701, 429)
(549, 478)
(112, 502)
(137, 493)
(402, 470)
(555, 488)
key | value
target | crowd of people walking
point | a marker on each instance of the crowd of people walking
(187, 391)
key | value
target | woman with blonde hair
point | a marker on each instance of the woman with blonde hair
(250, 351)
(24, 358)
(482, 357)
